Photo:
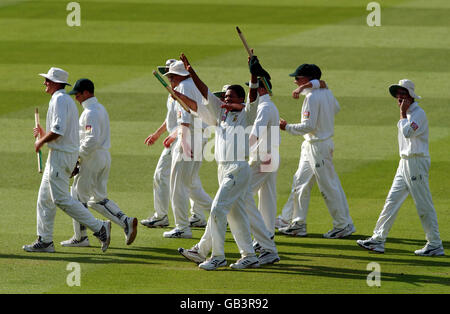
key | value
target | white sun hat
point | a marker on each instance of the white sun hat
(406, 84)
(56, 75)
(164, 69)
(177, 68)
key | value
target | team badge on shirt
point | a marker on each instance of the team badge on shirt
(179, 114)
(306, 114)
(88, 128)
(414, 126)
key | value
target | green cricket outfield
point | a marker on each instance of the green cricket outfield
(120, 42)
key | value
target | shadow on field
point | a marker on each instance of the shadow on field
(340, 249)
(344, 273)
(88, 258)
(130, 256)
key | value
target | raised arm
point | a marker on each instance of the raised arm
(314, 84)
(198, 82)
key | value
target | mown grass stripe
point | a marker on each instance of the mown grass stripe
(331, 58)
(222, 13)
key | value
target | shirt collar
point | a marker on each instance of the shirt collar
(413, 106)
(89, 102)
(265, 97)
(59, 91)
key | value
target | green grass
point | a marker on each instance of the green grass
(118, 45)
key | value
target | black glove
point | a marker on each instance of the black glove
(256, 68)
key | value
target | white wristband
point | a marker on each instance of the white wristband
(253, 85)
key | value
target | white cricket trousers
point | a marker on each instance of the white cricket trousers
(90, 188)
(288, 208)
(54, 192)
(161, 184)
(316, 164)
(262, 219)
(229, 205)
(257, 225)
(184, 184)
(411, 178)
(161, 187)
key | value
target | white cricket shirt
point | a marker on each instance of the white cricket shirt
(171, 117)
(413, 133)
(62, 119)
(94, 127)
(187, 87)
(232, 128)
(267, 119)
(318, 111)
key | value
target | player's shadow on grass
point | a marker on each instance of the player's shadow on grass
(353, 274)
(82, 258)
(348, 243)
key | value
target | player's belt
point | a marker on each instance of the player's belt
(415, 156)
(319, 140)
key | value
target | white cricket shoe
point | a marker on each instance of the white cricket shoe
(104, 235)
(371, 245)
(73, 242)
(213, 263)
(429, 250)
(267, 257)
(295, 229)
(192, 254)
(154, 222)
(246, 262)
(281, 223)
(40, 247)
(130, 229)
(178, 233)
(195, 221)
(336, 233)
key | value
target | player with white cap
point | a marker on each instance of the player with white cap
(316, 160)
(91, 177)
(411, 176)
(62, 138)
(184, 178)
(161, 176)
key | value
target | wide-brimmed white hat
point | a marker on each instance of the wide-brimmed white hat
(177, 68)
(164, 69)
(405, 84)
(56, 75)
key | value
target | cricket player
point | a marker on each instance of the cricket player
(316, 161)
(234, 174)
(90, 183)
(283, 220)
(161, 177)
(411, 177)
(184, 179)
(62, 138)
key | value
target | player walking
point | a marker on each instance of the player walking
(62, 139)
(316, 160)
(161, 177)
(411, 177)
(90, 183)
(184, 178)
